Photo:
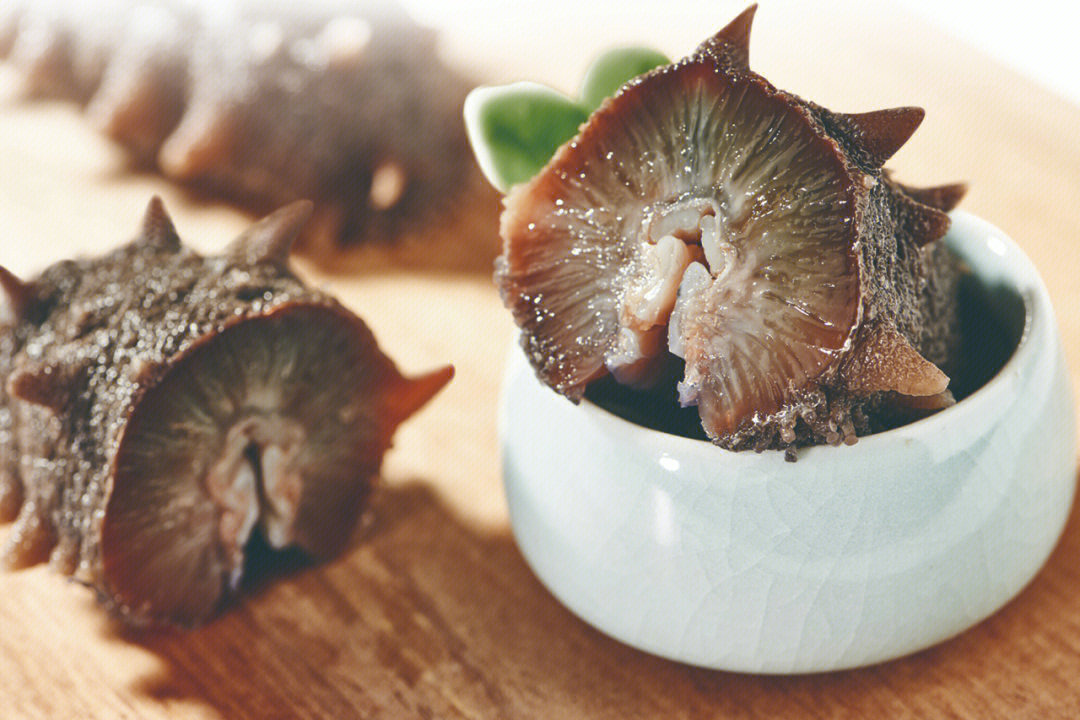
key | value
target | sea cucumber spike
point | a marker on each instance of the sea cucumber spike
(198, 145)
(157, 227)
(733, 41)
(48, 383)
(408, 395)
(942, 197)
(880, 133)
(64, 557)
(885, 361)
(137, 110)
(19, 294)
(143, 88)
(920, 221)
(271, 239)
(11, 495)
(30, 539)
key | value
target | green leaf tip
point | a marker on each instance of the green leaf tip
(515, 129)
(615, 68)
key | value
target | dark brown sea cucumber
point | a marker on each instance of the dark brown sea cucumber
(702, 212)
(159, 407)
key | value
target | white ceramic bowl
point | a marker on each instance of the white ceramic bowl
(850, 556)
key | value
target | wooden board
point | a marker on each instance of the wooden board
(432, 612)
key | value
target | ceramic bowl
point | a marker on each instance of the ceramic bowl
(851, 555)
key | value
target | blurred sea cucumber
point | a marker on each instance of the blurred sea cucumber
(344, 102)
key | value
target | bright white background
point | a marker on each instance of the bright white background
(1038, 38)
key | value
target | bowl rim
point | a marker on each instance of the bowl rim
(1001, 259)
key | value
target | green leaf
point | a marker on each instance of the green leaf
(515, 129)
(614, 69)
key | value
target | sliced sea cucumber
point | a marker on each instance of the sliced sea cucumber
(704, 214)
(158, 408)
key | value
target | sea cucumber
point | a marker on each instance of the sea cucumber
(158, 408)
(702, 216)
(342, 101)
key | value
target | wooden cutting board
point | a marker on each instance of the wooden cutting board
(432, 612)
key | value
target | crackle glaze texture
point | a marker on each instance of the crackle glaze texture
(851, 556)
(158, 408)
(340, 101)
(703, 213)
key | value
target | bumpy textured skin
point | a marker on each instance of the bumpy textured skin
(900, 327)
(340, 101)
(87, 340)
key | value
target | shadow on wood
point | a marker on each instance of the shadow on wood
(426, 617)
(452, 238)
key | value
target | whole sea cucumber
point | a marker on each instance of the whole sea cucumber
(345, 102)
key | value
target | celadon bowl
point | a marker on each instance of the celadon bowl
(852, 555)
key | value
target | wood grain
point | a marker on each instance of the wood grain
(432, 612)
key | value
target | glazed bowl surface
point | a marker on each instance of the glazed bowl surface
(850, 556)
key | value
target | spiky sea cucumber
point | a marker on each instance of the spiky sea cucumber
(342, 101)
(703, 213)
(158, 408)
